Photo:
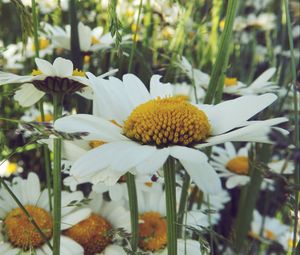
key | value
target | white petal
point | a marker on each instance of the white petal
(6, 78)
(158, 89)
(233, 113)
(85, 37)
(188, 246)
(45, 67)
(154, 162)
(263, 78)
(136, 90)
(237, 180)
(113, 249)
(70, 247)
(73, 218)
(63, 67)
(200, 171)
(28, 95)
(98, 128)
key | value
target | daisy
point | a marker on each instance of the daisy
(57, 78)
(20, 235)
(273, 230)
(142, 130)
(95, 233)
(45, 47)
(8, 168)
(231, 84)
(233, 165)
(153, 224)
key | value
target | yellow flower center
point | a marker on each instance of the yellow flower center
(167, 121)
(92, 234)
(96, 143)
(43, 44)
(11, 168)
(129, 13)
(77, 72)
(167, 33)
(95, 40)
(238, 165)
(222, 24)
(47, 118)
(21, 233)
(228, 81)
(270, 235)
(153, 231)
(36, 72)
(149, 184)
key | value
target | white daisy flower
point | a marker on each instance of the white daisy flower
(89, 39)
(8, 168)
(233, 165)
(231, 84)
(141, 129)
(94, 232)
(273, 230)
(20, 234)
(59, 77)
(45, 47)
(13, 57)
(153, 224)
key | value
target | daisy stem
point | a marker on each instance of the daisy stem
(135, 38)
(35, 28)
(134, 212)
(57, 104)
(222, 58)
(32, 221)
(169, 174)
(182, 203)
(296, 123)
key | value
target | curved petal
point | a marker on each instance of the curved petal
(136, 90)
(73, 218)
(263, 78)
(233, 113)
(200, 171)
(97, 128)
(28, 95)
(159, 89)
(236, 180)
(63, 67)
(45, 67)
(85, 37)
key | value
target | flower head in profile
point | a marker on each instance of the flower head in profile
(139, 130)
(59, 77)
(18, 232)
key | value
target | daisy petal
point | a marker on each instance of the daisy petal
(45, 67)
(63, 67)
(28, 95)
(236, 180)
(158, 89)
(85, 35)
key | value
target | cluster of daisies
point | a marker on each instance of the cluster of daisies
(133, 129)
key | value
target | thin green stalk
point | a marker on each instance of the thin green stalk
(169, 174)
(222, 59)
(183, 203)
(32, 221)
(35, 28)
(57, 104)
(296, 123)
(134, 213)
(211, 237)
(132, 52)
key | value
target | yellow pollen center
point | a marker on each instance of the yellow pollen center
(77, 72)
(228, 82)
(238, 165)
(96, 143)
(153, 231)
(270, 235)
(95, 40)
(149, 184)
(21, 233)
(47, 118)
(92, 234)
(222, 24)
(43, 44)
(167, 121)
(36, 72)
(11, 168)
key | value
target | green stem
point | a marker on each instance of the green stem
(182, 203)
(169, 175)
(134, 212)
(35, 28)
(296, 123)
(32, 221)
(135, 38)
(57, 104)
(222, 58)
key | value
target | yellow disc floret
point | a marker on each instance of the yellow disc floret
(47, 118)
(167, 121)
(230, 81)
(77, 72)
(152, 232)
(92, 234)
(238, 165)
(96, 143)
(20, 231)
